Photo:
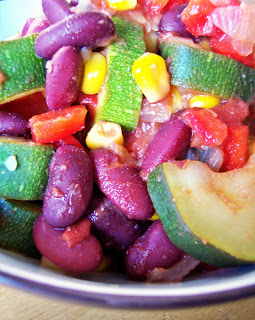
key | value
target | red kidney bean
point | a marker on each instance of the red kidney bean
(12, 124)
(113, 228)
(169, 143)
(83, 257)
(74, 2)
(171, 22)
(69, 188)
(92, 29)
(122, 185)
(64, 73)
(56, 10)
(26, 26)
(151, 250)
(34, 25)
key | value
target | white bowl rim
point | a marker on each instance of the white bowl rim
(216, 287)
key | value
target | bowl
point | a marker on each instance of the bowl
(106, 289)
(111, 290)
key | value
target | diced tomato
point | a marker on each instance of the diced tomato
(137, 141)
(77, 232)
(195, 16)
(69, 140)
(205, 125)
(172, 4)
(222, 44)
(28, 106)
(152, 7)
(235, 147)
(232, 112)
(55, 125)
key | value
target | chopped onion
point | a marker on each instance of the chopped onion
(246, 27)
(226, 18)
(238, 23)
(176, 272)
(192, 154)
(212, 156)
(156, 112)
(124, 155)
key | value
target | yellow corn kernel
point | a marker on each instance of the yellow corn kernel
(204, 42)
(94, 73)
(204, 101)
(150, 73)
(151, 41)
(104, 133)
(176, 99)
(120, 5)
(154, 217)
(106, 264)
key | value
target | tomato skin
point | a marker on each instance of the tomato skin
(77, 232)
(235, 147)
(206, 126)
(172, 4)
(152, 7)
(222, 44)
(195, 15)
(55, 125)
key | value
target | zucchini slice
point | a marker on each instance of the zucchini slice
(16, 223)
(208, 215)
(24, 168)
(207, 71)
(120, 98)
(21, 71)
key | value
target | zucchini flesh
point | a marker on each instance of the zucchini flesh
(208, 215)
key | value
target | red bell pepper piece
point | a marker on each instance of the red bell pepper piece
(235, 147)
(69, 140)
(207, 128)
(55, 125)
(77, 232)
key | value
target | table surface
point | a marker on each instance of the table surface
(22, 305)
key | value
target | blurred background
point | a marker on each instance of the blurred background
(14, 13)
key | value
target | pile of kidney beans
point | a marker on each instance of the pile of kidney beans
(98, 195)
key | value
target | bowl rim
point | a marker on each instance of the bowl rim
(219, 287)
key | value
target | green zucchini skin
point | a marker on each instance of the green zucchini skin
(120, 99)
(178, 232)
(208, 71)
(16, 224)
(29, 179)
(23, 70)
